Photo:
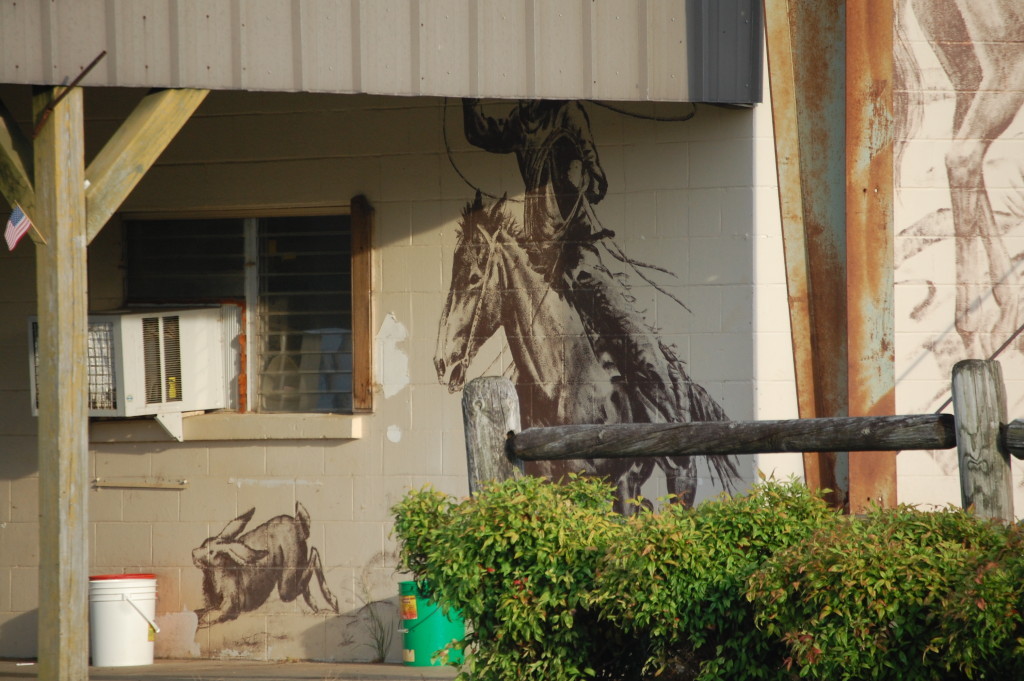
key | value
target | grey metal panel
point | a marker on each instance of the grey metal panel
(725, 42)
(667, 54)
(327, 50)
(23, 53)
(206, 54)
(271, 59)
(142, 33)
(444, 46)
(386, 55)
(672, 50)
(619, 61)
(75, 32)
(503, 36)
(562, 49)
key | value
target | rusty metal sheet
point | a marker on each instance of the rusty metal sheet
(806, 43)
(869, 238)
(830, 66)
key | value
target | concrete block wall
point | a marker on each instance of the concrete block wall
(981, 40)
(685, 196)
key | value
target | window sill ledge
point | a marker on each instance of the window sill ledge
(228, 426)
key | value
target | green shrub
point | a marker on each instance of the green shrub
(870, 598)
(518, 560)
(770, 585)
(981, 625)
(679, 578)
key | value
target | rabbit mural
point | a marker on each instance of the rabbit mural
(240, 571)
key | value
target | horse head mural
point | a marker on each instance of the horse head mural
(570, 363)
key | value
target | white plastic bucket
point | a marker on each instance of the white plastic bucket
(122, 619)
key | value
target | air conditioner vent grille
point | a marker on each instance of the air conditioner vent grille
(101, 374)
(151, 359)
(172, 359)
(102, 378)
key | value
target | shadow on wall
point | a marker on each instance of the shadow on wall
(20, 635)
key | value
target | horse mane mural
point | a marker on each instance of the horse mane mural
(581, 352)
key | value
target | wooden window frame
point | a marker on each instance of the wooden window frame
(361, 222)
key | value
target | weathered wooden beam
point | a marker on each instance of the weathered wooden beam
(16, 168)
(133, 149)
(626, 440)
(1014, 438)
(979, 402)
(63, 416)
(362, 215)
(490, 411)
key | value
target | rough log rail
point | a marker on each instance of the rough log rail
(628, 440)
(496, 448)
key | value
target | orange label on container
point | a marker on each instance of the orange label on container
(409, 608)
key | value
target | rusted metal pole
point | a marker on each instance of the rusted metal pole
(808, 84)
(869, 239)
(787, 164)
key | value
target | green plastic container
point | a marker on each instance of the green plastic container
(426, 629)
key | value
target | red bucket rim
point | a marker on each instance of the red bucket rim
(98, 578)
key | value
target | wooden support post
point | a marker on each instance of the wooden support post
(490, 411)
(979, 405)
(63, 417)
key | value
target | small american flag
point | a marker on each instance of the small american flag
(17, 225)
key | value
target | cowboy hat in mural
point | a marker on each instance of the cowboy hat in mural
(241, 571)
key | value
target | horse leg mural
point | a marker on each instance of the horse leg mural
(981, 48)
(581, 352)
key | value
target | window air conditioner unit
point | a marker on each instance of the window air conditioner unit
(157, 362)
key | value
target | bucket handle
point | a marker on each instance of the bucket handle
(144, 615)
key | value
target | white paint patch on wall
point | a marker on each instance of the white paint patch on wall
(394, 434)
(392, 362)
(177, 639)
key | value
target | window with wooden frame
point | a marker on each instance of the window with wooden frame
(302, 278)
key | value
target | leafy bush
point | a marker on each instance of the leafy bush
(981, 627)
(518, 560)
(880, 597)
(679, 578)
(770, 585)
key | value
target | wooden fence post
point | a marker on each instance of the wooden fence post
(490, 411)
(979, 406)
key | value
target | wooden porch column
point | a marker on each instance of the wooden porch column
(66, 216)
(63, 417)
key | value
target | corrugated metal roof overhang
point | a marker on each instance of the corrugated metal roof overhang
(635, 50)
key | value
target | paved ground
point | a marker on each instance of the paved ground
(211, 670)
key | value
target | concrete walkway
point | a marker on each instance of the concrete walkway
(216, 670)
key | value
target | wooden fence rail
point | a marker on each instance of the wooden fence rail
(496, 447)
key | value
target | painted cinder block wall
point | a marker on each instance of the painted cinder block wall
(696, 198)
(958, 96)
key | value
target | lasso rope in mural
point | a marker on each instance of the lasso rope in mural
(605, 236)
